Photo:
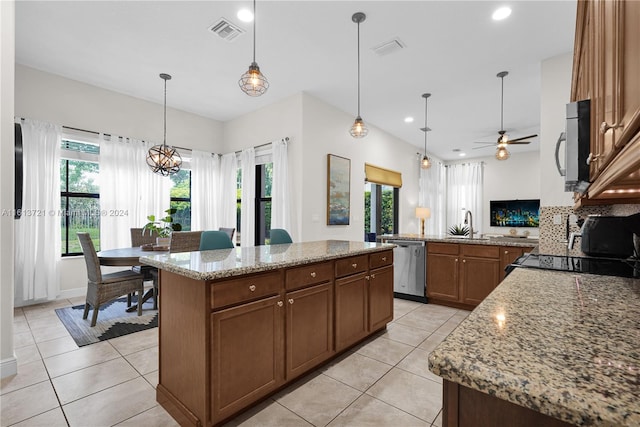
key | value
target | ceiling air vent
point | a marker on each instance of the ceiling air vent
(388, 47)
(226, 29)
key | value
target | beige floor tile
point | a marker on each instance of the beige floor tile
(268, 414)
(52, 418)
(18, 312)
(83, 382)
(432, 342)
(28, 374)
(27, 354)
(406, 334)
(45, 321)
(417, 362)
(132, 343)
(77, 300)
(126, 400)
(144, 361)
(318, 400)
(438, 421)
(153, 378)
(419, 321)
(57, 346)
(81, 358)
(20, 324)
(47, 334)
(32, 312)
(156, 417)
(357, 371)
(409, 392)
(402, 307)
(368, 411)
(385, 350)
(22, 339)
(448, 327)
(27, 402)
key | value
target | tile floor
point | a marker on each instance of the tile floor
(383, 382)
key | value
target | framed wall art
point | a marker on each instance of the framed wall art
(338, 190)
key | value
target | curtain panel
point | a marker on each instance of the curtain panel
(248, 206)
(280, 192)
(432, 195)
(205, 177)
(228, 191)
(464, 193)
(38, 231)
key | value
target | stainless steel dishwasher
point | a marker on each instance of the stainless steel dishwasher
(409, 270)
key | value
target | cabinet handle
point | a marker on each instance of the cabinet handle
(354, 265)
(252, 288)
(456, 259)
(604, 127)
(313, 274)
(464, 260)
(280, 304)
(373, 276)
(592, 158)
(506, 252)
(367, 277)
(290, 300)
(384, 258)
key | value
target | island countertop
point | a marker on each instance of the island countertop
(493, 241)
(220, 263)
(563, 347)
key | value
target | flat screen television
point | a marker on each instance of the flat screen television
(515, 213)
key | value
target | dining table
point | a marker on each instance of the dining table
(123, 257)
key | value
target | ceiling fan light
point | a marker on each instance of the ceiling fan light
(253, 82)
(502, 153)
(359, 129)
(503, 138)
(425, 163)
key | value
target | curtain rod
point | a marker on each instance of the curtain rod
(286, 139)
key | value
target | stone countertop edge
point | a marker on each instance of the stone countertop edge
(544, 343)
(497, 241)
(164, 262)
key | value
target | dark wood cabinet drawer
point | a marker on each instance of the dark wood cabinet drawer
(380, 259)
(246, 288)
(352, 265)
(300, 277)
(481, 251)
(442, 248)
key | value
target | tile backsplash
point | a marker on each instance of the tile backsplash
(553, 238)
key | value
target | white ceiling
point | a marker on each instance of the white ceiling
(453, 50)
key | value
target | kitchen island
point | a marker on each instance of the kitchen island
(544, 349)
(236, 325)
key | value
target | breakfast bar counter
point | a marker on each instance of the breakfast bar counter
(236, 325)
(546, 348)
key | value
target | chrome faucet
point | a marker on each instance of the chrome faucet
(468, 220)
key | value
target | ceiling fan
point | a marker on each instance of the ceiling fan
(503, 139)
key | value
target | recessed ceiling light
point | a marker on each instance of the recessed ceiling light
(408, 119)
(501, 13)
(462, 154)
(245, 15)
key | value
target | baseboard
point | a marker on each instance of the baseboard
(72, 293)
(8, 367)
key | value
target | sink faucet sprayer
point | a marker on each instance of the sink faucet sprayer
(468, 220)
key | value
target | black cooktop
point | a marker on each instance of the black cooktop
(591, 265)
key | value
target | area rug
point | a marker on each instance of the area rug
(113, 321)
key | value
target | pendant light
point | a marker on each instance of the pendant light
(164, 159)
(425, 163)
(253, 82)
(359, 129)
(502, 153)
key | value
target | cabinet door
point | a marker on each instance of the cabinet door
(351, 310)
(309, 330)
(508, 254)
(442, 277)
(248, 349)
(380, 297)
(478, 277)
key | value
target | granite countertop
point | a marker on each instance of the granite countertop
(220, 263)
(494, 241)
(541, 341)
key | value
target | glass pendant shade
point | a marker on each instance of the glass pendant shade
(253, 82)
(502, 153)
(359, 129)
(425, 163)
(164, 159)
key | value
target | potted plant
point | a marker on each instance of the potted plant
(163, 227)
(459, 230)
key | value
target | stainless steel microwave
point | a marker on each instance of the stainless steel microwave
(577, 146)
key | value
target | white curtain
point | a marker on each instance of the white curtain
(464, 193)
(228, 191)
(280, 200)
(248, 207)
(38, 231)
(432, 187)
(129, 190)
(205, 173)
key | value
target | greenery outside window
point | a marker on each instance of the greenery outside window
(381, 209)
(181, 198)
(264, 183)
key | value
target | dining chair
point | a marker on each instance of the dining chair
(102, 288)
(215, 240)
(279, 236)
(185, 241)
(229, 231)
(139, 237)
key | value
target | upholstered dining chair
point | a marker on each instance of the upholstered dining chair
(139, 237)
(279, 236)
(185, 241)
(229, 231)
(102, 288)
(215, 240)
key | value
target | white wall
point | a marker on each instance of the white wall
(8, 363)
(556, 92)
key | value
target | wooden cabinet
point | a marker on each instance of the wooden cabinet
(380, 297)
(442, 272)
(508, 254)
(351, 310)
(606, 69)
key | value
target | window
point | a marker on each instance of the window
(380, 209)
(181, 198)
(264, 181)
(79, 195)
